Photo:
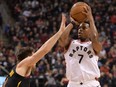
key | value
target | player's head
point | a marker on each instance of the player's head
(81, 31)
(23, 53)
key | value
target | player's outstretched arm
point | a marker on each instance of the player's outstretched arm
(93, 31)
(45, 48)
(64, 39)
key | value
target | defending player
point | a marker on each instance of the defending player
(81, 54)
(27, 59)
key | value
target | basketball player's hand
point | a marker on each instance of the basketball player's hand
(88, 13)
(62, 26)
(74, 22)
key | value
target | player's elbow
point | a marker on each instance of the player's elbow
(98, 48)
(94, 37)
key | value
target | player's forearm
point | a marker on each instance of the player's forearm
(64, 37)
(94, 37)
(67, 31)
(93, 30)
(46, 47)
(96, 46)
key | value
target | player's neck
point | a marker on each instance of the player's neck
(84, 40)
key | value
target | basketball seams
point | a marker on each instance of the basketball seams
(76, 12)
(73, 11)
(79, 20)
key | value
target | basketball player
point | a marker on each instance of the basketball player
(18, 76)
(81, 55)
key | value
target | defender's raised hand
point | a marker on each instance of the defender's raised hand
(62, 26)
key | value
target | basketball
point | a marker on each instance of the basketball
(76, 12)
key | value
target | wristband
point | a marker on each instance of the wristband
(74, 24)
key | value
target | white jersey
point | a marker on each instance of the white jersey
(81, 62)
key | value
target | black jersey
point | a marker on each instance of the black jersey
(16, 80)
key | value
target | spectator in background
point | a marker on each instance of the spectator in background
(1, 21)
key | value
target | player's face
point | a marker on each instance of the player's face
(82, 32)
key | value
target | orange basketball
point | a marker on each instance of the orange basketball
(76, 12)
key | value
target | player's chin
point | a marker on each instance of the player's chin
(81, 38)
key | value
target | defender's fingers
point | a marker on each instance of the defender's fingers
(63, 18)
(63, 21)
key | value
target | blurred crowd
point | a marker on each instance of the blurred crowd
(38, 20)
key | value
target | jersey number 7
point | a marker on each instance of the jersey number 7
(81, 57)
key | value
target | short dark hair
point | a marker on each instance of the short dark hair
(23, 53)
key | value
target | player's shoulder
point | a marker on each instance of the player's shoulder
(74, 40)
(83, 42)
